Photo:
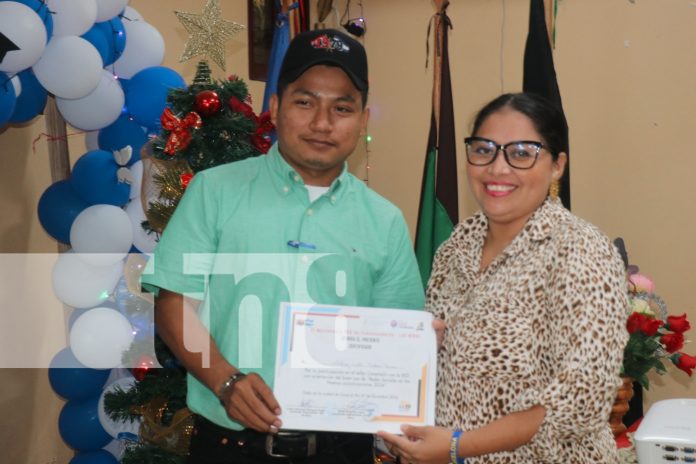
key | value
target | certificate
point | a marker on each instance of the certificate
(351, 369)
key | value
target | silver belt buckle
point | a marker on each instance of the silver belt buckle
(311, 443)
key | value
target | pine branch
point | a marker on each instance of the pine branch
(149, 454)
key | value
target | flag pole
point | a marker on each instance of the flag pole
(548, 10)
(441, 6)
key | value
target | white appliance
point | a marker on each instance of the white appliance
(667, 433)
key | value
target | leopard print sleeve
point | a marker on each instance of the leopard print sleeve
(586, 315)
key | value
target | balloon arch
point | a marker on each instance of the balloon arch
(100, 60)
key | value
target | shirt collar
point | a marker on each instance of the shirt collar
(286, 179)
(538, 228)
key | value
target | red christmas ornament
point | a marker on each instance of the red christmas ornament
(207, 103)
(185, 179)
(144, 364)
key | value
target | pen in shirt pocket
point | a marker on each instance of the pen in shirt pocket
(298, 244)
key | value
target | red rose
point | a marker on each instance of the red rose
(684, 362)
(635, 321)
(672, 342)
(678, 324)
(649, 326)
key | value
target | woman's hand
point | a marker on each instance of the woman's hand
(420, 445)
(440, 327)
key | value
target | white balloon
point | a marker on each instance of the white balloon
(141, 239)
(17, 84)
(99, 337)
(131, 14)
(92, 140)
(70, 67)
(96, 110)
(23, 27)
(112, 427)
(82, 285)
(101, 235)
(72, 17)
(144, 49)
(137, 171)
(107, 9)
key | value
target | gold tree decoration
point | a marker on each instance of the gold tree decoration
(208, 32)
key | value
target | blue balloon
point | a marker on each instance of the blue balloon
(72, 380)
(41, 9)
(58, 207)
(109, 38)
(124, 84)
(32, 101)
(8, 99)
(96, 37)
(79, 425)
(94, 179)
(94, 457)
(115, 35)
(147, 91)
(124, 131)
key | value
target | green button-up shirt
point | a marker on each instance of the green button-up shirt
(245, 238)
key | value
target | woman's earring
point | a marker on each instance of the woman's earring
(554, 189)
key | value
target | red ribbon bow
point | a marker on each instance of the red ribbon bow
(259, 138)
(241, 107)
(180, 134)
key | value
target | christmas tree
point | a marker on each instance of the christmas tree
(208, 124)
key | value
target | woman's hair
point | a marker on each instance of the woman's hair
(548, 120)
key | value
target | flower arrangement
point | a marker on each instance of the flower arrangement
(654, 334)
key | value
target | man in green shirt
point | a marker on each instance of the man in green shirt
(293, 225)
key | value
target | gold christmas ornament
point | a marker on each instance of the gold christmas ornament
(174, 438)
(208, 32)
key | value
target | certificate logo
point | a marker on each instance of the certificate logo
(404, 406)
(394, 324)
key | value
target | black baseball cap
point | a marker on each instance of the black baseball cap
(325, 46)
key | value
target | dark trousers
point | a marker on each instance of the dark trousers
(212, 444)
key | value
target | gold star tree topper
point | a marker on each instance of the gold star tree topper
(208, 33)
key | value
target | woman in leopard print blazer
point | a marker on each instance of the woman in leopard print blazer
(533, 299)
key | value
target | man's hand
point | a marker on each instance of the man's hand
(251, 402)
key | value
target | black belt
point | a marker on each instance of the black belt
(282, 445)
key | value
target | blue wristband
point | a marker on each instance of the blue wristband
(454, 446)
